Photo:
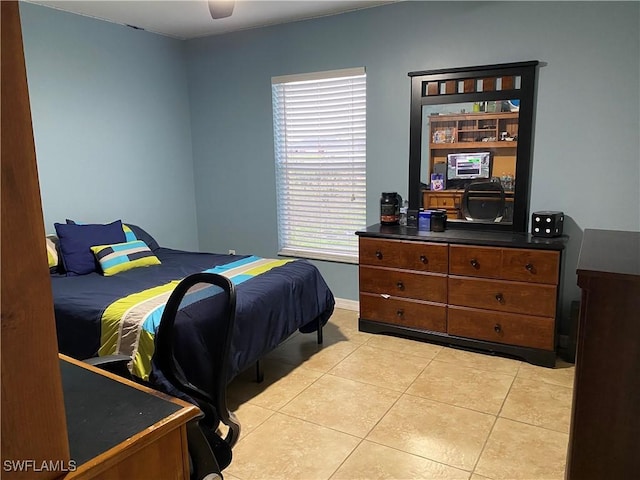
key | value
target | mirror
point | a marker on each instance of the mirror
(471, 145)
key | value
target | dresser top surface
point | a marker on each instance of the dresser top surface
(605, 252)
(466, 237)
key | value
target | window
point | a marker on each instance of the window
(319, 124)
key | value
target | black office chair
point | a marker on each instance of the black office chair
(209, 451)
(197, 291)
(483, 201)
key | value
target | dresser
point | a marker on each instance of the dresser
(605, 422)
(489, 291)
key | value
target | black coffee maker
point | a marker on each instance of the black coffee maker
(390, 203)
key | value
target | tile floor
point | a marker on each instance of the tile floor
(365, 406)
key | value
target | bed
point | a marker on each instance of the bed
(274, 299)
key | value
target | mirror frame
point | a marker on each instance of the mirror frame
(460, 85)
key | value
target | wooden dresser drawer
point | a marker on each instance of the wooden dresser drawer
(404, 312)
(429, 200)
(509, 328)
(441, 199)
(505, 296)
(422, 256)
(447, 201)
(403, 283)
(475, 261)
(535, 266)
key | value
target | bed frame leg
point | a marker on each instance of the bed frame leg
(259, 372)
(319, 331)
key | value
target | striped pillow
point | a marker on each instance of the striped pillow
(121, 257)
(52, 252)
(128, 233)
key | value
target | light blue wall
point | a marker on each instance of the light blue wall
(104, 95)
(586, 145)
(111, 124)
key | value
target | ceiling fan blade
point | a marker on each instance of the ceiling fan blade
(221, 8)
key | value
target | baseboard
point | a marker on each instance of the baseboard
(346, 304)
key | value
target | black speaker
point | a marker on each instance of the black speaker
(547, 224)
(412, 218)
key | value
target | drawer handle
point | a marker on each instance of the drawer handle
(378, 254)
(400, 285)
(424, 259)
(474, 263)
(499, 298)
(529, 267)
(497, 328)
(400, 313)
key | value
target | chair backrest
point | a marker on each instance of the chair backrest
(202, 307)
(483, 201)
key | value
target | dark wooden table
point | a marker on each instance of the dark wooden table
(118, 429)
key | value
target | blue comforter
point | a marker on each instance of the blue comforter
(269, 308)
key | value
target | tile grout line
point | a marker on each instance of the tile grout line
(400, 393)
(495, 421)
(346, 458)
(362, 439)
(324, 426)
(379, 419)
(321, 376)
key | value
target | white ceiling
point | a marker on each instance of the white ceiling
(185, 19)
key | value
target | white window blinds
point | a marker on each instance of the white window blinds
(319, 123)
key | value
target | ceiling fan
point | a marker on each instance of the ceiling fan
(221, 8)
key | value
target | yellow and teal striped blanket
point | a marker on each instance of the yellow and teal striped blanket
(129, 323)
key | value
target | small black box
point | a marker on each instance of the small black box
(412, 218)
(547, 224)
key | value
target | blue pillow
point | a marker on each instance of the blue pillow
(144, 236)
(76, 242)
(133, 232)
